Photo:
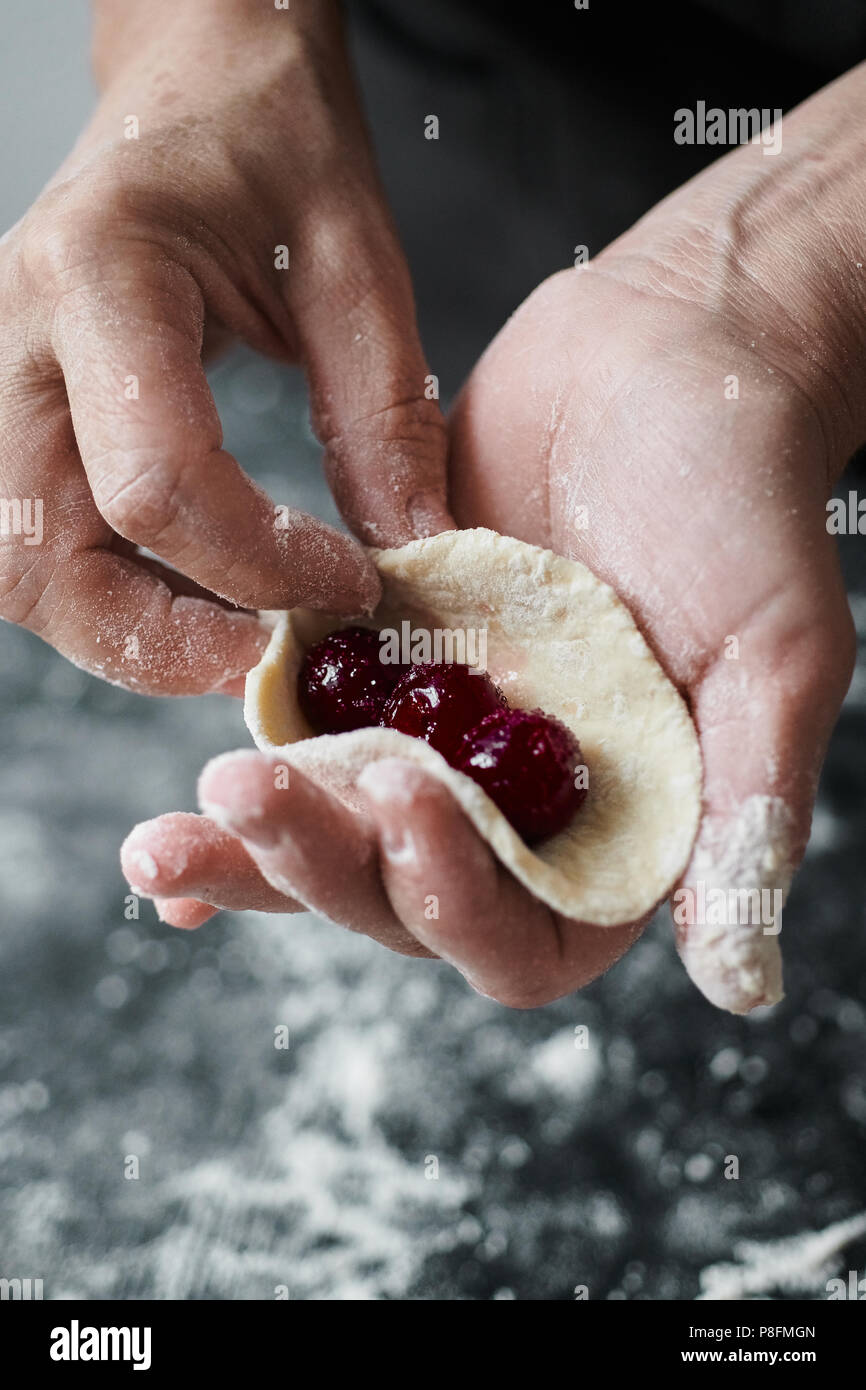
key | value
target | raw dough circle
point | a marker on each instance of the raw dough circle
(560, 640)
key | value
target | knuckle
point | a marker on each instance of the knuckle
(73, 236)
(139, 496)
(353, 255)
(411, 421)
(64, 245)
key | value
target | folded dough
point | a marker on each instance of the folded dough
(560, 640)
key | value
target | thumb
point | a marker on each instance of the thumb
(764, 718)
(374, 400)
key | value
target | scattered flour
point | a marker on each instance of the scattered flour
(796, 1264)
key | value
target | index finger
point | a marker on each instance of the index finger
(150, 442)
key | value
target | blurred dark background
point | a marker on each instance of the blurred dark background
(306, 1167)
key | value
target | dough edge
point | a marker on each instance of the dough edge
(630, 842)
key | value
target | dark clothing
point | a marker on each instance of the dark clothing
(556, 128)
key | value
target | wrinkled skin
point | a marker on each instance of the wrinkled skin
(142, 255)
(605, 391)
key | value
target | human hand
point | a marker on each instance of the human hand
(598, 423)
(141, 253)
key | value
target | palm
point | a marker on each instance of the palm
(643, 436)
(597, 424)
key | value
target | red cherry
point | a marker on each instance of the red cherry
(526, 763)
(438, 701)
(343, 684)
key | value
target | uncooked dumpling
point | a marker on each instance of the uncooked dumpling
(558, 639)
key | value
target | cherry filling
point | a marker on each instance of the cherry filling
(525, 761)
(438, 701)
(343, 684)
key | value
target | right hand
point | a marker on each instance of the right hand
(140, 252)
